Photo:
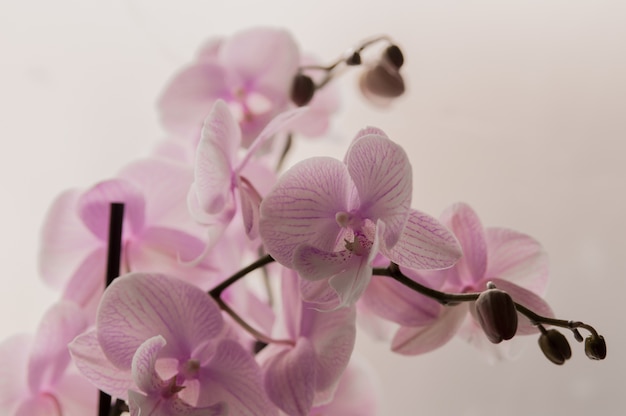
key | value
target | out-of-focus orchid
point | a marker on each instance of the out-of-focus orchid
(514, 262)
(162, 344)
(36, 375)
(306, 374)
(328, 219)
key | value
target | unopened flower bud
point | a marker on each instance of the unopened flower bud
(382, 81)
(354, 59)
(394, 55)
(595, 347)
(555, 346)
(302, 89)
(497, 315)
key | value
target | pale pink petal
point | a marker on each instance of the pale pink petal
(65, 240)
(466, 226)
(86, 285)
(40, 405)
(140, 405)
(215, 158)
(424, 244)
(188, 98)
(393, 301)
(319, 294)
(333, 335)
(232, 376)
(250, 204)
(96, 367)
(94, 207)
(315, 264)
(14, 354)
(350, 284)
(528, 299)
(78, 397)
(49, 355)
(290, 377)
(302, 207)
(143, 368)
(382, 174)
(421, 339)
(265, 57)
(518, 258)
(138, 306)
(165, 185)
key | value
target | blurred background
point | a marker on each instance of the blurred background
(516, 107)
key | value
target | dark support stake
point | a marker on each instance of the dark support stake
(114, 256)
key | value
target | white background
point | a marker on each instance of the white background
(516, 107)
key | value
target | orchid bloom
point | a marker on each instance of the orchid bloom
(252, 71)
(162, 344)
(158, 233)
(219, 171)
(328, 219)
(36, 375)
(513, 261)
(306, 374)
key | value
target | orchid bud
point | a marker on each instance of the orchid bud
(394, 55)
(555, 346)
(382, 81)
(497, 315)
(354, 59)
(595, 347)
(302, 89)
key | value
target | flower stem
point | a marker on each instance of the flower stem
(216, 292)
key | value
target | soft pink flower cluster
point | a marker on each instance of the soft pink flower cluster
(204, 206)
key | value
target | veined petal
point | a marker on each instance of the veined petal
(421, 339)
(233, 376)
(518, 258)
(215, 158)
(301, 208)
(94, 207)
(140, 405)
(143, 365)
(315, 264)
(96, 367)
(138, 306)
(424, 244)
(250, 205)
(49, 355)
(461, 219)
(290, 378)
(382, 174)
(188, 98)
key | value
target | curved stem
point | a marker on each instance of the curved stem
(217, 290)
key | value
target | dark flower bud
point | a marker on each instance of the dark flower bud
(394, 55)
(555, 346)
(302, 89)
(381, 83)
(595, 347)
(497, 315)
(354, 59)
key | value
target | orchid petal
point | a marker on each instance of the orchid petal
(96, 367)
(419, 340)
(290, 378)
(382, 174)
(302, 207)
(188, 98)
(461, 219)
(250, 203)
(65, 240)
(518, 258)
(143, 365)
(158, 406)
(94, 207)
(315, 264)
(49, 355)
(41, 405)
(87, 283)
(319, 294)
(215, 157)
(424, 244)
(14, 354)
(138, 306)
(233, 376)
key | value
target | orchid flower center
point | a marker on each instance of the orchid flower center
(248, 104)
(189, 369)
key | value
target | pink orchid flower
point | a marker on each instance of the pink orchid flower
(252, 71)
(306, 374)
(220, 173)
(158, 233)
(328, 219)
(162, 344)
(514, 262)
(36, 375)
